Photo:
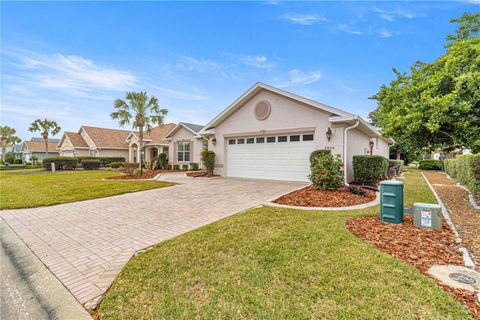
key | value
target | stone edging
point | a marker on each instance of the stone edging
(467, 260)
(271, 203)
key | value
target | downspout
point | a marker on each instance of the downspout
(345, 147)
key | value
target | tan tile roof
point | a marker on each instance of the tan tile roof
(107, 138)
(158, 134)
(39, 146)
(76, 139)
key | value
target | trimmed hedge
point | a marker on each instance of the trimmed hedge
(430, 164)
(92, 164)
(168, 166)
(185, 167)
(176, 167)
(115, 165)
(208, 160)
(104, 161)
(61, 163)
(395, 167)
(466, 169)
(194, 166)
(369, 169)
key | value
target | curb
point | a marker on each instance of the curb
(467, 260)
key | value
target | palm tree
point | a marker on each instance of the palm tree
(143, 110)
(46, 127)
(7, 136)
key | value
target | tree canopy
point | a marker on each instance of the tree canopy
(436, 105)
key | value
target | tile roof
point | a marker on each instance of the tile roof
(158, 134)
(107, 138)
(39, 146)
(76, 139)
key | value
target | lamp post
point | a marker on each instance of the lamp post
(142, 153)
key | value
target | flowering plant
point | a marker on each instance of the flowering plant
(327, 172)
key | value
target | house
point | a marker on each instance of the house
(15, 148)
(186, 143)
(269, 133)
(36, 148)
(106, 142)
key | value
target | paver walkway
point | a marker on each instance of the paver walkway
(86, 244)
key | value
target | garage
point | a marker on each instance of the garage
(279, 157)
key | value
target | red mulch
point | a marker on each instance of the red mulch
(310, 197)
(147, 174)
(203, 174)
(421, 248)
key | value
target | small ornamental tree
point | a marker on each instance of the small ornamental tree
(208, 160)
(327, 172)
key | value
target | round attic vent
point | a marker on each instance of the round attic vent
(262, 110)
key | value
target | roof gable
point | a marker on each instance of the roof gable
(258, 87)
(193, 128)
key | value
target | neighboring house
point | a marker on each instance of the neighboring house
(185, 143)
(15, 148)
(268, 133)
(36, 147)
(105, 142)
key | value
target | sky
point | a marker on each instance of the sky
(68, 61)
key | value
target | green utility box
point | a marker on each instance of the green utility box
(391, 201)
(427, 215)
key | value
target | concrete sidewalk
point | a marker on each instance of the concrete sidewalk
(28, 290)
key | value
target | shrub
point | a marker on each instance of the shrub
(316, 153)
(357, 190)
(185, 167)
(92, 164)
(430, 164)
(115, 165)
(9, 157)
(466, 169)
(369, 169)
(193, 166)
(61, 163)
(162, 160)
(129, 167)
(395, 167)
(104, 161)
(168, 166)
(326, 172)
(82, 158)
(208, 160)
(137, 171)
(176, 167)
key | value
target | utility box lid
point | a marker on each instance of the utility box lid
(427, 205)
(392, 182)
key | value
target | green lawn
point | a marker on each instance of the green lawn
(43, 189)
(272, 263)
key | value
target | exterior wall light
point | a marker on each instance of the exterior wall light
(371, 144)
(214, 141)
(329, 134)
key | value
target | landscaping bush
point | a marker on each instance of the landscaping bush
(162, 160)
(18, 161)
(61, 163)
(104, 161)
(466, 169)
(168, 166)
(430, 164)
(395, 167)
(316, 153)
(326, 171)
(176, 167)
(369, 169)
(129, 167)
(92, 164)
(137, 172)
(194, 166)
(357, 190)
(208, 160)
(185, 167)
(115, 165)
(82, 158)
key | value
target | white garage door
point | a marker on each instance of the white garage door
(282, 157)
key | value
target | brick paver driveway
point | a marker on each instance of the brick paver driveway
(86, 244)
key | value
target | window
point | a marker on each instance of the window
(250, 140)
(261, 140)
(294, 138)
(184, 151)
(241, 141)
(308, 137)
(282, 138)
(270, 139)
(231, 141)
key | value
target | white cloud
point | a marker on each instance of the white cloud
(260, 62)
(299, 78)
(60, 71)
(343, 27)
(303, 19)
(194, 64)
(384, 33)
(391, 15)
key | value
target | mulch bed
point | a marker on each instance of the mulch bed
(310, 197)
(465, 218)
(150, 174)
(203, 174)
(421, 248)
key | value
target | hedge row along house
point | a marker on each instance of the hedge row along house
(267, 133)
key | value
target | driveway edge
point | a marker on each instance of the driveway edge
(33, 281)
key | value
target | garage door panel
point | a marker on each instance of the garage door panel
(278, 161)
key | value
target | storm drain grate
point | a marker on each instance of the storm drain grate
(462, 277)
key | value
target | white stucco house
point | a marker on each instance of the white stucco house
(269, 133)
